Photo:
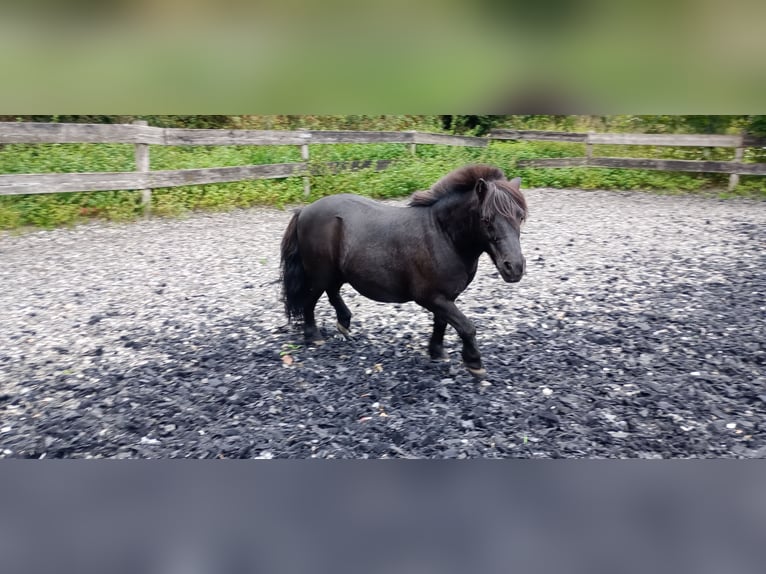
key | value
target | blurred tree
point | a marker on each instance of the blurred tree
(473, 125)
(755, 125)
(213, 122)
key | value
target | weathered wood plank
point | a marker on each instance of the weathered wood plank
(554, 162)
(753, 141)
(734, 177)
(143, 166)
(33, 132)
(108, 181)
(339, 166)
(651, 164)
(180, 136)
(334, 137)
(305, 158)
(116, 181)
(66, 182)
(539, 135)
(445, 139)
(224, 174)
(681, 165)
(680, 140)
(41, 133)
(675, 140)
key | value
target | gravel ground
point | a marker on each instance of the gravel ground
(639, 331)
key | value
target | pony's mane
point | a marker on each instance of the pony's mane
(501, 198)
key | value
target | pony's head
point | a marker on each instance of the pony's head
(503, 210)
(497, 208)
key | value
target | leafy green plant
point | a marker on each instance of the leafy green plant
(289, 348)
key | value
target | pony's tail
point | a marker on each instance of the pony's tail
(293, 275)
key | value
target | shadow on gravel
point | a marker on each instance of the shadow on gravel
(643, 384)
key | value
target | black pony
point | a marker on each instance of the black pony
(427, 252)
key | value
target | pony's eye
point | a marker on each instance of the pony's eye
(492, 236)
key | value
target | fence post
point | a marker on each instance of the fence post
(588, 148)
(305, 158)
(142, 165)
(739, 153)
(413, 144)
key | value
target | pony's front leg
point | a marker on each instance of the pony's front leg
(446, 311)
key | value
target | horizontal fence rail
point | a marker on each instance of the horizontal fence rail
(40, 133)
(674, 140)
(143, 179)
(131, 180)
(734, 168)
(535, 135)
(101, 181)
(652, 164)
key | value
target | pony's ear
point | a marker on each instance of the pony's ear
(515, 183)
(481, 188)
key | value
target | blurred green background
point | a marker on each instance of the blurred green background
(489, 56)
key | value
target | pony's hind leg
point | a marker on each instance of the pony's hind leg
(436, 344)
(341, 311)
(310, 331)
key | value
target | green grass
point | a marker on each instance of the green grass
(409, 174)
(191, 157)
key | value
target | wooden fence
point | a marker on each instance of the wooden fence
(735, 168)
(142, 136)
(143, 179)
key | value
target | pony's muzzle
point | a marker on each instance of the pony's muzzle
(513, 271)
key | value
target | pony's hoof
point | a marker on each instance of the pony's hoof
(316, 342)
(438, 354)
(477, 374)
(343, 331)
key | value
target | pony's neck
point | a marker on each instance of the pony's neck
(458, 218)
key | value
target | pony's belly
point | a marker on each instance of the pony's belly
(384, 293)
